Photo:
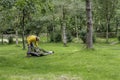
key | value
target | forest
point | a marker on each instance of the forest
(59, 20)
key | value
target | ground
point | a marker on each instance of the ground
(68, 63)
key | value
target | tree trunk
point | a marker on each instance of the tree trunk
(2, 37)
(107, 33)
(64, 34)
(53, 33)
(23, 28)
(89, 35)
(117, 25)
(16, 32)
(64, 37)
(77, 36)
(61, 30)
(47, 35)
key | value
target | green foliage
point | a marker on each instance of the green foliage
(104, 13)
(94, 38)
(7, 4)
(10, 39)
(83, 36)
(39, 14)
(69, 37)
(118, 38)
(55, 37)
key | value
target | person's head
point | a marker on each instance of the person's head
(37, 38)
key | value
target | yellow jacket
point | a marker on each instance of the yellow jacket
(32, 39)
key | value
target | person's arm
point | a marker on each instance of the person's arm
(36, 43)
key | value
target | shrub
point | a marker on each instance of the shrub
(83, 36)
(55, 37)
(118, 38)
(94, 38)
(69, 37)
(10, 39)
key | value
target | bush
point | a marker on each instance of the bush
(103, 34)
(10, 39)
(55, 37)
(118, 38)
(69, 37)
(83, 36)
(94, 38)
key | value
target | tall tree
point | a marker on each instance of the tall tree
(89, 35)
(16, 27)
(64, 36)
(26, 8)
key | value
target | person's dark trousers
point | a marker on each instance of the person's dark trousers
(30, 49)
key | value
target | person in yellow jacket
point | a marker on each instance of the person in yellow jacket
(33, 49)
(32, 42)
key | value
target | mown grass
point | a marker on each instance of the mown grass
(68, 63)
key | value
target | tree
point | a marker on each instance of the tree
(64, 36)
(16, 26)
(5, 13)
(26, 8)
(89, 25)
(106, 10)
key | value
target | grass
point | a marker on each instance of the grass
(68, 63)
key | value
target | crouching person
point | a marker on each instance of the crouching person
(33, 49)
(32, 42)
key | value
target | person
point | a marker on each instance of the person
(32, 42)
(33, 49)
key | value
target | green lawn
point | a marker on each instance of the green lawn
(68, 63)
